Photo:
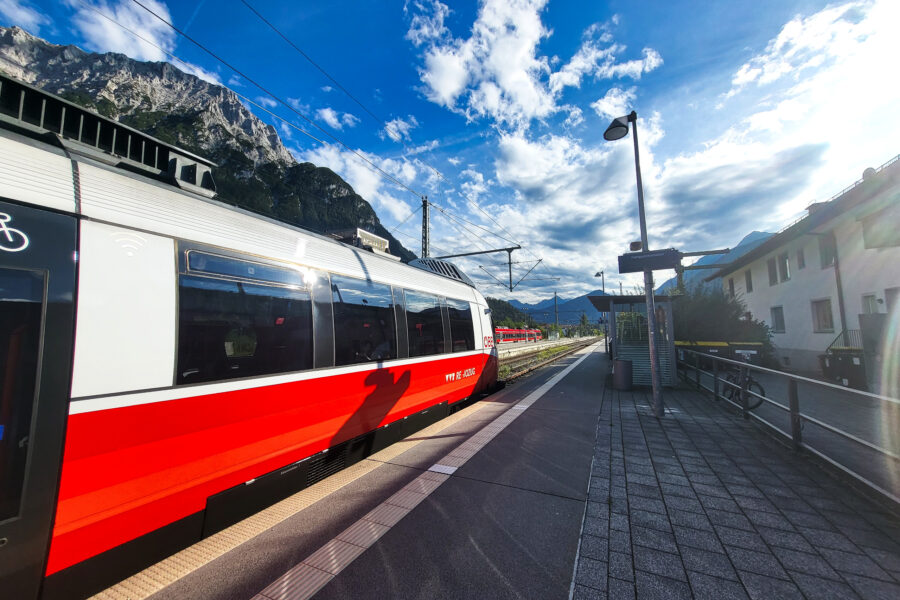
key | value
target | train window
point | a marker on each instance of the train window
(462, 330)
(230, 329)
(364, 327)
(424, 324)
(21, 302)
(204, 262)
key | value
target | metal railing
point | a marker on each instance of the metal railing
(847, 339)
(796, 419)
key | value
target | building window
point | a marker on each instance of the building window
(748, 280)
(801, 259)
(731, 286)
(869, 304)
(822, 319)
(773, 272)
(827, 249)
(784, 267)
(777, 319)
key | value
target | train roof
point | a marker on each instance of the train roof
(44, 167)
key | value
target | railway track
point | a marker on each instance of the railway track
(516, 366)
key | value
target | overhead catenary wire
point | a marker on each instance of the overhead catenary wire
(366, 109)
(279, 100)
(294, 126)
(378, 119)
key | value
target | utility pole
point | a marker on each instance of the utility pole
(424, 226)
(556, 310)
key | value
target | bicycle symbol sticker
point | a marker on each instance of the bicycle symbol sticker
(11, 240)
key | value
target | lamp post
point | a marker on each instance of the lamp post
(606, 318)
(617, 130)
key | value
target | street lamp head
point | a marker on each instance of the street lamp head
(598, 274)
(616, 130)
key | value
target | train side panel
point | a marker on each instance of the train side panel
(133, 469)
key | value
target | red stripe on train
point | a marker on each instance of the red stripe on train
(128, 471)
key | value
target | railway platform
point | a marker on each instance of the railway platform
(556, 487)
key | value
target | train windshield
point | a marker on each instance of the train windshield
(21, 307)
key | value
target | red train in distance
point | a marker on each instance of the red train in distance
(170, 364)
(503, 335)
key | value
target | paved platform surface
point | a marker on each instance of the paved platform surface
(701, 504)
(559, 487)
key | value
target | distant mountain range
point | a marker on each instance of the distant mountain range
(570, 311)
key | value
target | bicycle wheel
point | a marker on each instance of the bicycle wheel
(728, 391)
(753, 401)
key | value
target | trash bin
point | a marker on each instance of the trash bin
(621, 374)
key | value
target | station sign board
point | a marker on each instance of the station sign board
(634, 262)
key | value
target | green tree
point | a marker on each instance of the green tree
(709, 315)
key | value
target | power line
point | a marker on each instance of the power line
(402, 223)
(279, 100)
(384, 173)
(380, 121)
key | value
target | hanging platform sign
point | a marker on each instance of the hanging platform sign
(635, 262)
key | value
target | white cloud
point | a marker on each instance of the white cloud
(496, 71)
(398, 129)
(454, 161)
(336, 120)
(474, 186)
(575, 117)
(807, 43)
(821, 70)
(428, 22)
(299, 106)
(104, 36)
(615, 103)
(326, 88)
(426, 147)
(158, 44)
(235, 81)
(384, 196)
(266, 101)
(23, 15)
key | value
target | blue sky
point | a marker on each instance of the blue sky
(748, 111)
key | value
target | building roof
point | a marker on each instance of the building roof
(873, 182)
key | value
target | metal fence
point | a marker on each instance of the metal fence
(869, 452)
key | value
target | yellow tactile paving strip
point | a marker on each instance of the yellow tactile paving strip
(168, 571)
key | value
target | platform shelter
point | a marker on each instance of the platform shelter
(628, 335)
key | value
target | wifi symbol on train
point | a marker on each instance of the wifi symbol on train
(129, 242)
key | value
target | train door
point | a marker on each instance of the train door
(37, 286)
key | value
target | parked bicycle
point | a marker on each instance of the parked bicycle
(736, 380)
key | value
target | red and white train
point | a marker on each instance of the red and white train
(170, 364)
(504, 335)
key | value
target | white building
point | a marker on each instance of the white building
(828, 273)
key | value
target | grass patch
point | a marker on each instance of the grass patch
(514, 366)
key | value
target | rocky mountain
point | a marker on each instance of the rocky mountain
(256, 171)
